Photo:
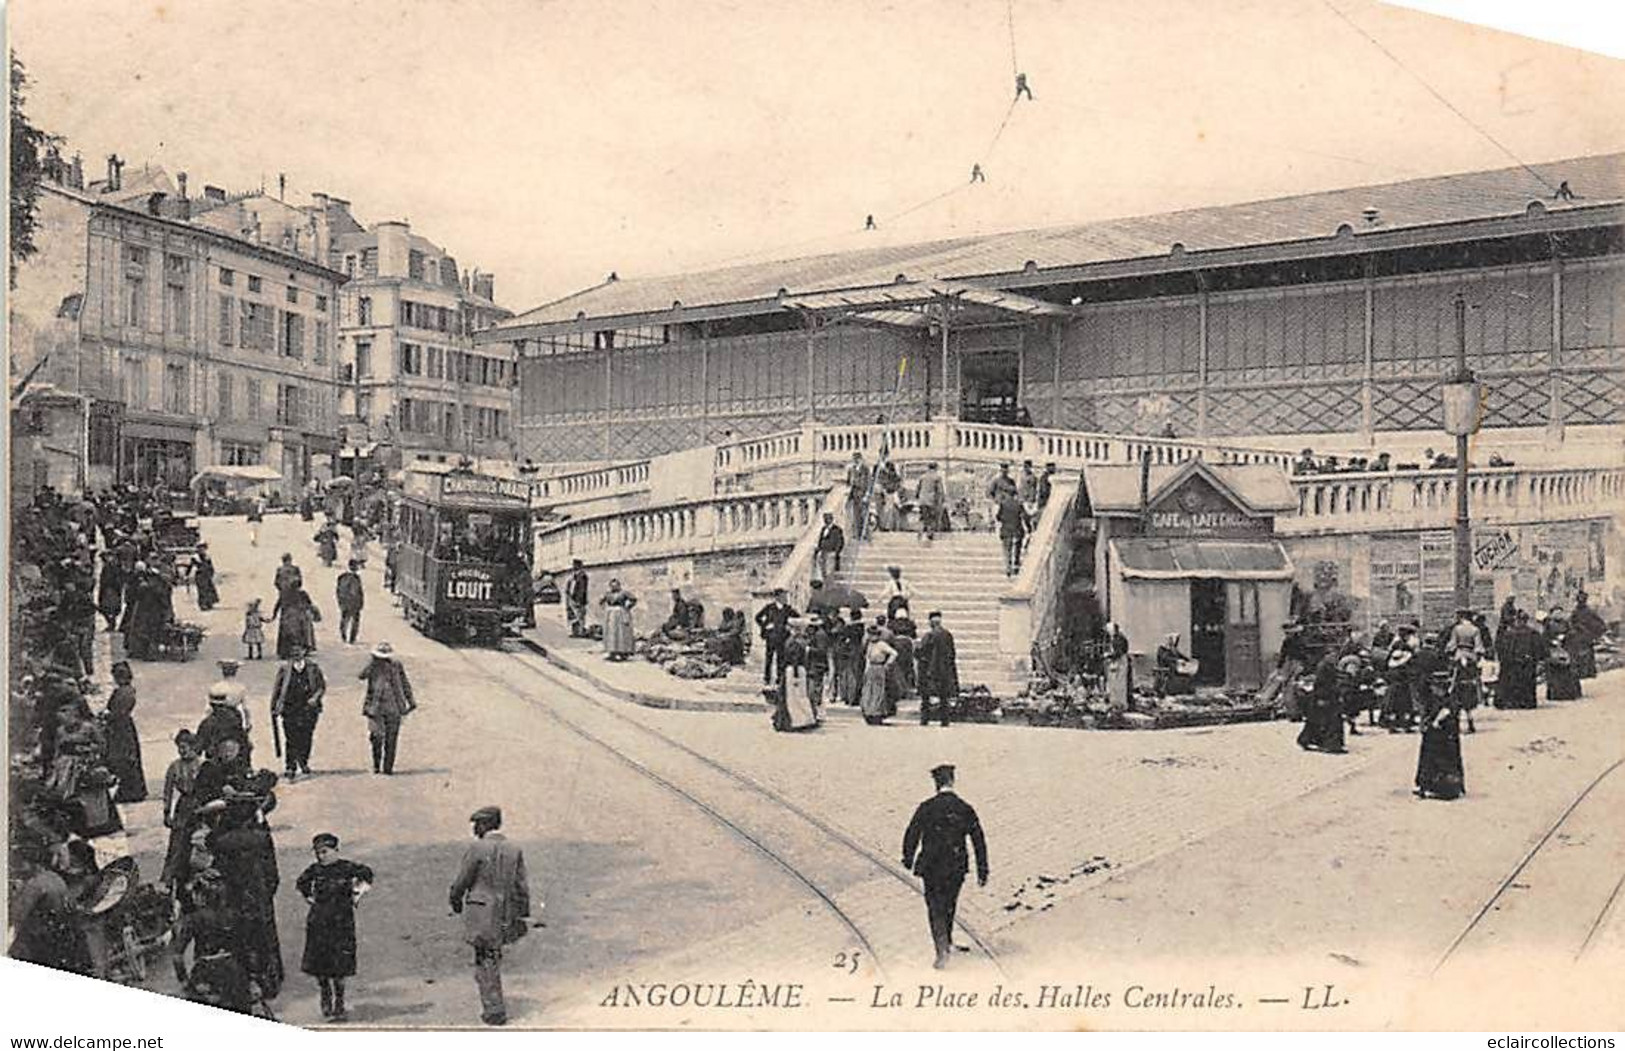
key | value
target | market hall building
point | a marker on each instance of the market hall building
(1315, 319)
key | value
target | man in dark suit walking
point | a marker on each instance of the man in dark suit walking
(831, 542)
(773, 620)
(934, 850)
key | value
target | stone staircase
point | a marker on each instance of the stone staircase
(961, 574)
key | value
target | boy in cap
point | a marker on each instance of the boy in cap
(492, 894)
(934, 850)
(333, 886)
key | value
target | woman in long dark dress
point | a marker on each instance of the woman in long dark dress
(296, 617)
(142, 618)
(208, 596)
(110, 589)
(123, 755)
(217, 976)
(246, 857)
(332, 886)
(1323, 718)
(1520, 657)
(1439, 772)
(1562, 681)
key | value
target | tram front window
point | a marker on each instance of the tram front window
(480, 536)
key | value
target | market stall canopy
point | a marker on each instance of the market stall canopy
(1173, 558)
(239, 473)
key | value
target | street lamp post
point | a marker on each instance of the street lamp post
(1461, 415)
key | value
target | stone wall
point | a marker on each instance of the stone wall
(717, 580)
(1399, 575)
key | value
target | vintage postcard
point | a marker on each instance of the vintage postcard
(657, 514)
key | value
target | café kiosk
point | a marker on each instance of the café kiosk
(1190, 549)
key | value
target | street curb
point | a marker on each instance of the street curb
(647, 700)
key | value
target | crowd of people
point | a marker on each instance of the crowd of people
(878, 501)
(73, 766)
(1308, 463)
(1405, 680)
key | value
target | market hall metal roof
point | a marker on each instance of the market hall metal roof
(1506, 200)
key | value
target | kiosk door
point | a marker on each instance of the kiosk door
(1207, 631)
(1242, 642)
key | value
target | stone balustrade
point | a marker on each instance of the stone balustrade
(721, 523)
(597, 483)
(1426, 499)
(818, 445)
(1030, 609)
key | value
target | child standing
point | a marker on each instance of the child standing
(254, 630)
(179, 805)
(333, 886)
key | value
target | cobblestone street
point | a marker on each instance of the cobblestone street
(1117, 858)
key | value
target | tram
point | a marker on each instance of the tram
(463, 568)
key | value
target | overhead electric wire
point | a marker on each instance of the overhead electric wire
(1431, 90)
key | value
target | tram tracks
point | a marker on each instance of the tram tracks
(875, 900)
(1541, 884)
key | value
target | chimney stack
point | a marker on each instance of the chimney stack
(76, 174)
(115, 168)
(281, 185)
(214, 193)
(180, 183)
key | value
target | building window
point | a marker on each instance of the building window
(223, 410)
(135, 255)
(363, 310)
(363, 358)
(320, 351)
(363, 408)
(369, 262)
(176, 395)
(132, 388)
(349, 266)
(289, 404)
(293, 294)
(177, 306)
(237, 454)
(258, 327)
(228, 308)
(437, 363)
(253, 406)
(103, 450)
(292, 335)
(321, 304)
(411, 359)
(253, 283)
(228, 277)
(135, 301)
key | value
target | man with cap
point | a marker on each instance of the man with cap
(773, 621)
(296, 699)
(934, 850)
(351, 599)
(937, 669)
(389, 700)
(492, 894)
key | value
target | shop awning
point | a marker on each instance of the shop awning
(239, 473)
(1150, 558)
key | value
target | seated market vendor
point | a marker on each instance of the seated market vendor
(728, 644)
(686, 617)
(1175, 674)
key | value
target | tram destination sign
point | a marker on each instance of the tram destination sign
(484, 487)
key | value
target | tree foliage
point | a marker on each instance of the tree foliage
(28, 143)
